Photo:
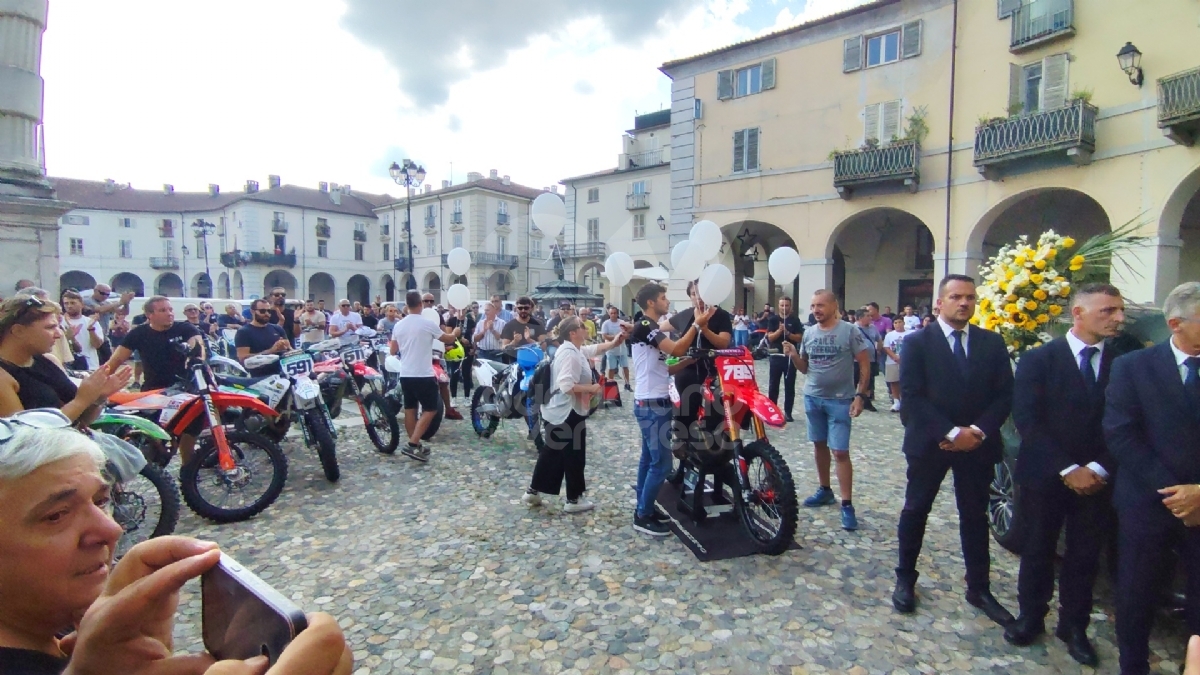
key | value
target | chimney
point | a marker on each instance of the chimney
(334, 187)
(251, 186)
(445, 184)
(273, 181)
(335, 196)
(213, 189)
(323, 186)
(110, 186)
(506, 180)
(493, 174)
(346, 190)
(168, 189)
(554, 188)
(428, 188)
(474, 176)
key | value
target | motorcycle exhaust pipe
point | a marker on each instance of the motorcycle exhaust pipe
(489, 409)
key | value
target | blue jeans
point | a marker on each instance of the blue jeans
(741, 337)
(654, 419)
(829, 421)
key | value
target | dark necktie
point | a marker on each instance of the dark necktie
(960, 351)
(1192, 381)
(1085, 366)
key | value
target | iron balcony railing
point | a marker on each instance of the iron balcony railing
(430, 221)
(456, 218)
(501, 218)
(1071, 128)
(591, 249)
(1179, 98)
(1039, 21)
(637, 200)
(497, 259)
(401, 264)
(324, 231)
(640, 159)
(360, 235)
(169, 262)
(899, 161)
(279, 226)
(244, 258)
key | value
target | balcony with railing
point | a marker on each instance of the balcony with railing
(279, 226)
(360, 235)
(501, 218)
(401, 264)
(430, 221)
(1039, 21)
(638, 160)
(168, 262)
(324, 231)
(590, 249)
(497, 259)
(1070, 130)
(637, 200)
(898, 162)
(258, 258)
(1179, 106)
(456, 218)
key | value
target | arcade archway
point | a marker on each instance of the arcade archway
(433, 284)
(76, 279)
(279, 279)
(882, 255)
(322, 287)
(128, 281)
(223, 285)
(169, 284)
(202, 286)
(1066, 211)
(358, 289)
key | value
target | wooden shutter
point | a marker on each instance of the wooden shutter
(768, 74)
(891, 120)
(752, 149)
(739, 150)
(1016, 87)
(852, 54)
(910, 40)
(1054, 82)
(1007, 7)
(724, 84)
(871, 122)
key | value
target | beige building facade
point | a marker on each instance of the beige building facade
(905, 139)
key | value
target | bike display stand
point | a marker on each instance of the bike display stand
(698, 497)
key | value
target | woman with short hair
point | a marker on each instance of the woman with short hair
(563, 452)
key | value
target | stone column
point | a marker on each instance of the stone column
(29, 211)
(815, 274)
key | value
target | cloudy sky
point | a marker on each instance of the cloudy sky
(192, 92)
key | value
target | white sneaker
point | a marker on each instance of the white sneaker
(531, 499)
(578, 506)
(896, 406)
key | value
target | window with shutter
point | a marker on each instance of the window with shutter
(724, 84)
(890, 121)
(1014, 87)
(910, 40)
(1005, 8)
(871, 122)
(752, 149)
(768, 74)
(739, 151)
(1054, 82)
(852, 54)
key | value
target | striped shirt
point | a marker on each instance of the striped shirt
(489, 340)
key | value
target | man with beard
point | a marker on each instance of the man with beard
(691, 373)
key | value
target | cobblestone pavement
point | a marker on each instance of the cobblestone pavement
(440, 568)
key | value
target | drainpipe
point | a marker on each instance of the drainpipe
(950, 140)
(303, 291)
(442, 245)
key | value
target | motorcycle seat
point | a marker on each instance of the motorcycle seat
(242, 381)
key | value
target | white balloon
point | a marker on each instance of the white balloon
(458, 260)
(706, 239)
(618, 268)
(678, 251)
(715, 284)
(784, 265)
(432, 314)
(458, 296)
(549, 214)
(690, 263)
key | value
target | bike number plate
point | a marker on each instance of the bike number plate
(353, 356)
(297, 366)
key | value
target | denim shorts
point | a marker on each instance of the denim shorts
(617, 358)
(829, 421)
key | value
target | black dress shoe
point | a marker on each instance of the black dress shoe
(788, 417)
(1078, 645)
(990, 606)
(1024, 630)
(904, 598)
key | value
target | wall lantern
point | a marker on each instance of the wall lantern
(1131, 62)
(662, 223)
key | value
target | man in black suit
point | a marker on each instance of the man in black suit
(1152, 427)
(956, 382)
(1064, 468)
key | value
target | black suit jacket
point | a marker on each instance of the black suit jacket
(1152, 426)
(1058, 417)
(937, 395)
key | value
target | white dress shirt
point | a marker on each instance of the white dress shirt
(1077, 347)
(948, 331)
(1180, 360)
(572, 365)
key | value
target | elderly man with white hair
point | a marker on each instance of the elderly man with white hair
(344, 323)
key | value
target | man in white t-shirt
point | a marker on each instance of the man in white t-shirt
(413, 339)
(911, 320)
(343, 323)
(84, 331)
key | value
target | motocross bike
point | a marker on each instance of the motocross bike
(340, 375)
(503, 393)
(395, 397)
(297, 399)
(763, 492)
(232, 474)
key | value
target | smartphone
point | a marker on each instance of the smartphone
(243, 616)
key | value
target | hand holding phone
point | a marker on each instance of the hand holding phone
(243, 617)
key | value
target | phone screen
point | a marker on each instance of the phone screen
(243, 616)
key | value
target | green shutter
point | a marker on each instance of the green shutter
(752, 149)
(852, 49)
(768, 74)
(1016, 87)
(871, 122)
(724, 84)
(1054, 82)
(739, 151)
(1005, 8)
(910, 40)
(891, 120)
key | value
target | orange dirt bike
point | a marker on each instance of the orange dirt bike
(729, 442)
(233, 474)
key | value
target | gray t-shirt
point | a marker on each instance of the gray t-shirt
(610, 327)
(871, 337)
(831, 359)
(90, 301)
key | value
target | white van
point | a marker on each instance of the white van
(137, 305)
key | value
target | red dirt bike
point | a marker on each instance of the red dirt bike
(348, 372)
(762, 491)
(232, 475)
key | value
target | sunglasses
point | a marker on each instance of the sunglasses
(523, 308)
(428, 302)
(36, 418)
(103, 293)
(278, 295)
(257, 311)
(343, 305)
(193, 309)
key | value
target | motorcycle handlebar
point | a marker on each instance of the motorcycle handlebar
(695, 353)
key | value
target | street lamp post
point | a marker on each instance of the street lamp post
(202, 229)
(409, 175)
